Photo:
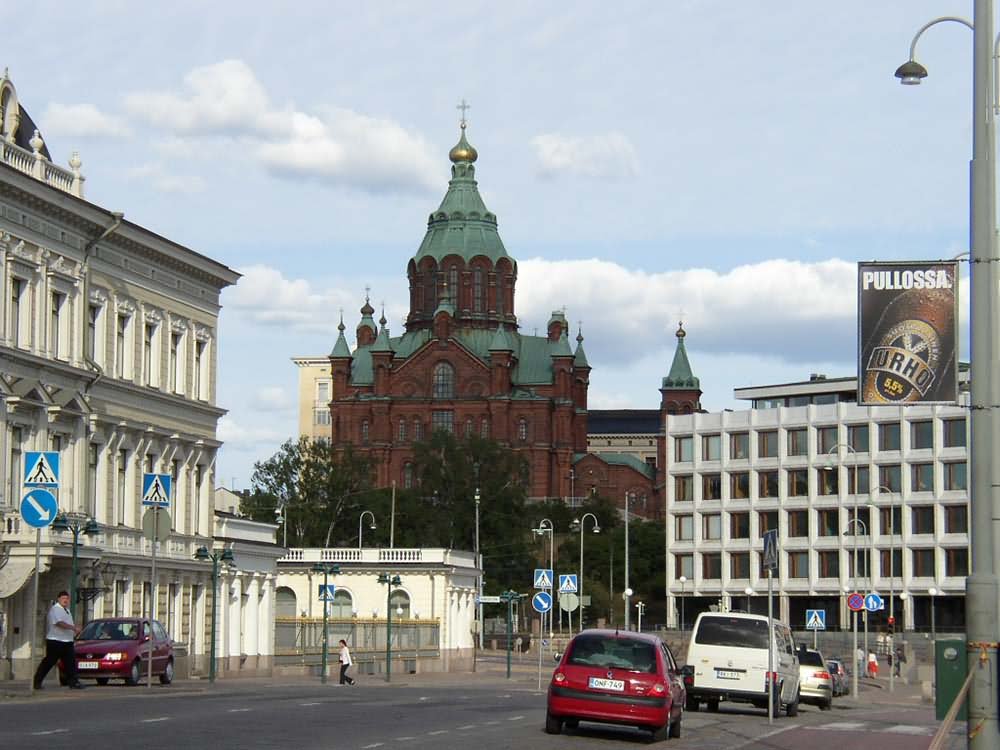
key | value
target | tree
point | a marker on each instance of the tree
(315, 488)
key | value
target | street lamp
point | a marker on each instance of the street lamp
(327, 570)
(361, 519)
(933, 592)
(75, 523)
(683, 579)
(546, 527)
(892, 582)
(225, 556)
(389, 582)
(641, 607)
(869, 585)
(629, 499)
(581, 523)
(749, 592)
(479, 567)
(982, 584)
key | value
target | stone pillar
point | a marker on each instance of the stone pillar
(251, 646)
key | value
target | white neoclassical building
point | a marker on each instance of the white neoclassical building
(433, 606)
(108, 347)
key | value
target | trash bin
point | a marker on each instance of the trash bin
(951, 667)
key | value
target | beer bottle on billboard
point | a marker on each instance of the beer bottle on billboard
(910, 353)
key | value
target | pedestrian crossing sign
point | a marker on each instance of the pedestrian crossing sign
(41, 469)
(156, 490)
(815, 619)
(326, 592)
(567, 583)
(771, 549)
(543, 578)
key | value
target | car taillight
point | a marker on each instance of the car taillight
(822, 675)
(559, 677)
(689, 679)
(769, 676)
(658, 688)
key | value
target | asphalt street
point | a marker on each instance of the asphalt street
(432, 711)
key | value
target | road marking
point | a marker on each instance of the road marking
(467, 726)
(908, 729)
(405, 739)
(314, 703)
(491, 723)
(238, 710)
(50, 731)
(369, 747)
(158, 718)
(505, 696)
(843, 726)
(514, 718)
(423, 697)
(757, 740)
(440, 731)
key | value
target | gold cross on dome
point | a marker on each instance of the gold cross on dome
(463, 107)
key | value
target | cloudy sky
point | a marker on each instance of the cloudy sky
(731, 159)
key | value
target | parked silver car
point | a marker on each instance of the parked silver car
(839, 676)
(816, 684)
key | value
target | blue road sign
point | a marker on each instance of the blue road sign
(567, 583)
(542, 601)
(874, 602)
(41, 469)
(543, 578)
(771, 549)
(326, 592)
(39, 508)
(815, 619)
(156, 490)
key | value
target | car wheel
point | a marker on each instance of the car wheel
(792, 709)
(675, 728)
(826, 706)
(168, 673)
(691, 704)
(658, 734)
(713, 707)
(553, 724)
(102, 680)
(134, 674)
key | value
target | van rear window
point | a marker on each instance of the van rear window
(737, 632)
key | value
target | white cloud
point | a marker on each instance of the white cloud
(240, 436)
(82, 120)
(157, 176)
(272, 398)
(336, 146)
(610, 155)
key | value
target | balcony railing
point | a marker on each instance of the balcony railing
(35, 164)
(380, 556)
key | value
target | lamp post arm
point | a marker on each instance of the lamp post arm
(943, 19)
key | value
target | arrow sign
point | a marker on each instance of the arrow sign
(542, 601)
(41, 469)
(874, 602)
(815, 619)
(543, 578)
(39, 508)
(567, 584)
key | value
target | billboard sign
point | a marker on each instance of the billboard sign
(907, 332)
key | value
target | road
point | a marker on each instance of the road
(440, 712)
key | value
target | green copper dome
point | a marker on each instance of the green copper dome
(680, 377)
(462, 225)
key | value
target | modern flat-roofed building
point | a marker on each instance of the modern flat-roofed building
(802, 460)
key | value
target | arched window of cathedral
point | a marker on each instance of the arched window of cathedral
(418, 430)
(453, 285)
(500, 294)
(468, 428)
(402, 430)
(407, 476)
(444, 381)
(484, 429)
(364, 432)
(430, 292)
(477, 290)
(522, 429)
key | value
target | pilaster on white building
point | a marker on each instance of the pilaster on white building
(802, 460)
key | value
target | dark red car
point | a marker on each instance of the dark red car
(118, 648)
(617, 677)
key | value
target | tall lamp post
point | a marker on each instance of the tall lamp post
(361, 519)
(857, 522)
(327, 570)
(479, 583)
(225, 557)
(892, 583)
(627, 593)
(545, 527)
(683, 579)
(933, 592)
(389, 581)
(581, 523)
(981, 585)
(75, 523)
(749, 592)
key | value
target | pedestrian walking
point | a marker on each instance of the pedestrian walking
(859, 660)
(872, 665)
(59, 634)
(898, 658)
(345, 662)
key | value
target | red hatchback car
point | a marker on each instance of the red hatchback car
(617, 677)
(112, 648)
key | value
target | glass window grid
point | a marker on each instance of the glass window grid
(954, 432)
(888, 436)
(739, 565)
(684, 449)
(798, 482)
(956, 519)
(711, 447)
(711, 486)
(767, 444)
(711, 526)
(922, 434)
(922, 477)
(739, 446)
(798, 441)
(955, 475)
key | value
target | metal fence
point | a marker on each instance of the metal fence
(299, 640)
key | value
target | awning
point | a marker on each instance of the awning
(14, 575)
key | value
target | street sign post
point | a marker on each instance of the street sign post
(543, 578)
(541, 602)
(815, 621)
(156, 525)
(155, 495)
(39, 508)
(771, 565)
(569, 602)
(326, 592)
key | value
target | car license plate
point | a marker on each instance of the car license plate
(600, 683)
(727, 674)
(87, 665)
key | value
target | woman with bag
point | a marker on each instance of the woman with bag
(345, 662)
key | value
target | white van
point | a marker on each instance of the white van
(727, 661)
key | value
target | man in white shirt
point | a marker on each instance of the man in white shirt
(59, 634)
(345, 662)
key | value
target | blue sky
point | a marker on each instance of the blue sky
(729, 159)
